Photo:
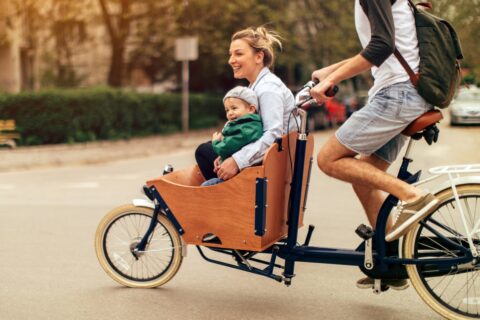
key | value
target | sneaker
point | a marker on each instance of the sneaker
(410, 214)
(395, 284)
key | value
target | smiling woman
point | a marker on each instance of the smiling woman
(252, 57)
(247, 63)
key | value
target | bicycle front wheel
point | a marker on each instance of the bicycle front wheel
(119, 233)
(451, 289)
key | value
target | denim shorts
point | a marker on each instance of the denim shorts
(376, 128)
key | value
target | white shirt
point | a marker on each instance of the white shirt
(391, 71)
(276, 103)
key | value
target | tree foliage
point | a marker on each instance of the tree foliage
(465, 18)
(141, 34)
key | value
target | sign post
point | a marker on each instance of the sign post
(186, 49)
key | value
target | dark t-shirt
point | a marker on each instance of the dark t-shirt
(382, 43)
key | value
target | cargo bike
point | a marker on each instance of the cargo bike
(255, 216)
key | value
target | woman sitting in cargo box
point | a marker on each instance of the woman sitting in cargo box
(252, 58)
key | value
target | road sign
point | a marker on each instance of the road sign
(186, 49)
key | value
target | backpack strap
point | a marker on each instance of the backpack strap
(411, 74)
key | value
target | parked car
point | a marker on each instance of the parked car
(329, 114)
(465, 108)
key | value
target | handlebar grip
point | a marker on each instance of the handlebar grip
(329, 93)
(332, 91)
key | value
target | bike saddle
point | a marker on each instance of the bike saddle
(425, 126)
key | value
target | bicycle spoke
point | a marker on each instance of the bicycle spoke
(446, 228)
(121, 241)
(158, 250)
(135, 224)
(441, 280)
(442, 236)
(445, 249)
(153, 261)
(475, 294)
(446, 287)
(122, 230)
(451, 215)
(458, 291)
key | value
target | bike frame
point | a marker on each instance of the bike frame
(381, 256)
(383, 262)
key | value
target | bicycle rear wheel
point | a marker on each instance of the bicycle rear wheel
(451, 290)
(119, 233)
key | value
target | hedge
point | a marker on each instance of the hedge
(68, 116)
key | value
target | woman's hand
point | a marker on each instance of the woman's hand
(227, 169)
(216, 164)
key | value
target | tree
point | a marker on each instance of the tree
(117, 22)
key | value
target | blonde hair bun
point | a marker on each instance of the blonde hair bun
(261, 39)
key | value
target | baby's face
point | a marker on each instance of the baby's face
(236, 108)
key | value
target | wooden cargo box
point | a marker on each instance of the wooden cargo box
(234, 210)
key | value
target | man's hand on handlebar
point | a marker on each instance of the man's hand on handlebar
(319, 92)
(320, 74)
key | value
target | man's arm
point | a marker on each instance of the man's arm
(380, 47)
(352, 67)
(382, 41)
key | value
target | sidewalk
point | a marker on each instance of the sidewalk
(24, 158)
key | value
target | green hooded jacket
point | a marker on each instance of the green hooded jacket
(237, 134)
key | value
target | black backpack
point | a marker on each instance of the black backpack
(440, 51)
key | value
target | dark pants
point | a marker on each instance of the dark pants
(205, 157)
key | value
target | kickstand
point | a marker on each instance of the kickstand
(377, 286)
(245, 261)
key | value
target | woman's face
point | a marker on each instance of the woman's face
(244, 60)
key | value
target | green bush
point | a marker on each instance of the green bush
(68, 116)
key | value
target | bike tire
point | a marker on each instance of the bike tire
(446, 292)
(119, 232)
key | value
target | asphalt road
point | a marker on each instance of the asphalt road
(49, 270)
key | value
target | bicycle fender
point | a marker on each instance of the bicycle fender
(143, 203)
(458, 182)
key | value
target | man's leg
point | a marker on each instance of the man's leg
(370, 198)
(337, 161)
(335, 158)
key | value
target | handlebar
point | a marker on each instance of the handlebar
(331, 92)
(303, 99)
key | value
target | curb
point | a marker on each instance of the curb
(47, 156)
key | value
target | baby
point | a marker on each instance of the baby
(243, 127)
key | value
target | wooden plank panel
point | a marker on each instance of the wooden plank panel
(7, 125)
(9, 136)
(228, 209)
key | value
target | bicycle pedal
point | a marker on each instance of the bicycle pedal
(364, 232)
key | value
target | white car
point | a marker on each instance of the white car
(465, 108)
